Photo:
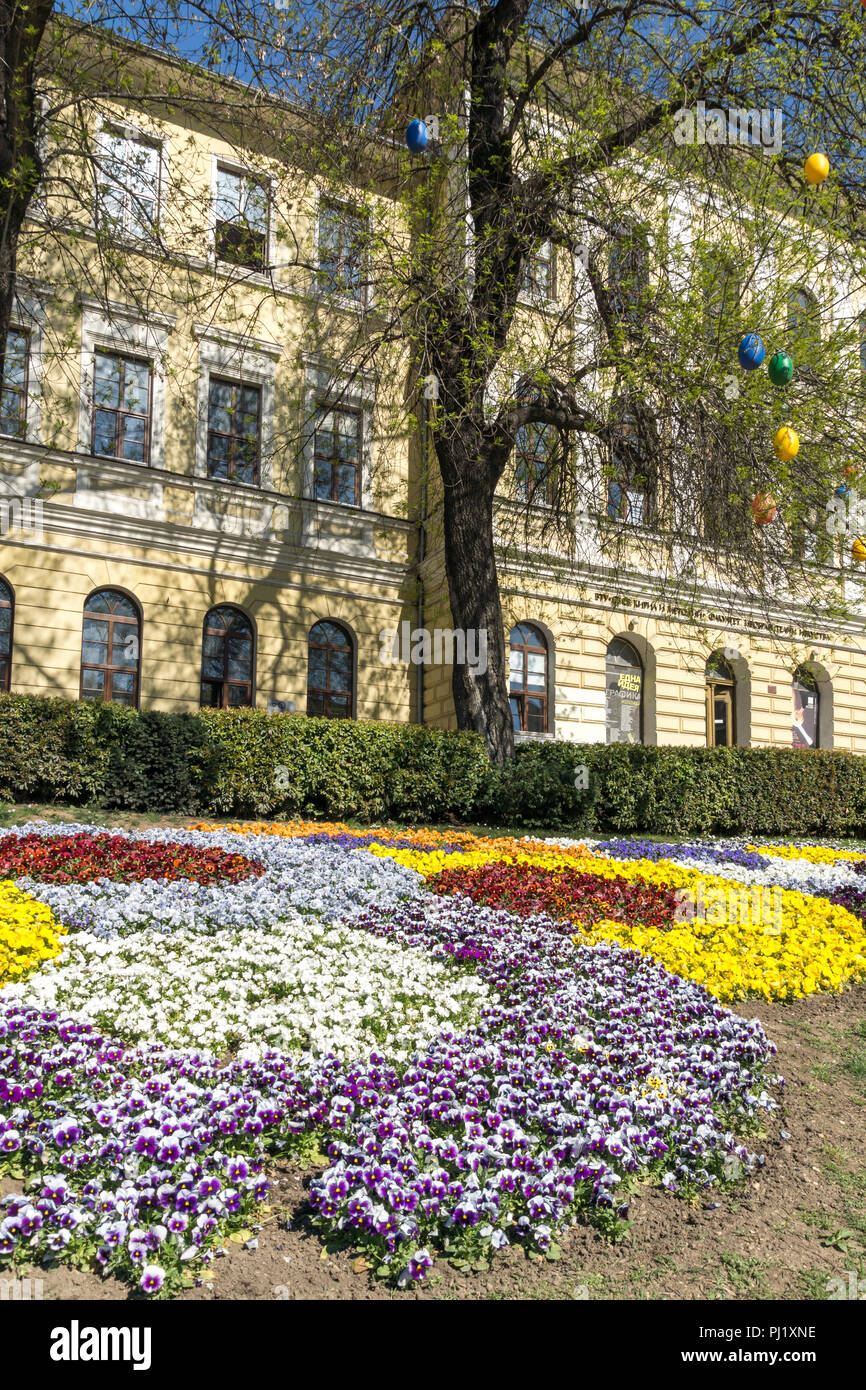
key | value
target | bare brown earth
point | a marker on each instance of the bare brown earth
(798, 1224)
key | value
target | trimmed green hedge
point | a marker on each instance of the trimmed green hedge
(680, 791)
(248, 763)
(234, 762)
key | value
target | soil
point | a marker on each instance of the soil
(786, 1233)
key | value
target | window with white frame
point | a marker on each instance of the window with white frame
(233, 430)
(337, 456)
(13, 395)
(342, 251)
(128, 183)
(235, 426)
(539, 277)
(241, 219)
(123, 382)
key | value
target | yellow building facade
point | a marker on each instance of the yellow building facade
(199, 502)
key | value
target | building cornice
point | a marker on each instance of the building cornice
(117, 309)
(107, 530)
(214, 333)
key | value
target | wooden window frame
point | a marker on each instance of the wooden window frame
(531, 289)
(118, 412)
(725, 691)
(524, 694)
(626, 304)
(358, 414)
(234, 439)
(227, 682)
(326, 691)
(23, 393)
(531, 489)
(230, 235)
(627, 464)
(6, 661)
(339, 287)
(109, 670)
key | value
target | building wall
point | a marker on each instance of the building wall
(181, 543)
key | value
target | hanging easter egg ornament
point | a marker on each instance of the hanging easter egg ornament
(786, 443)
(780, 369)
(843, 491)
(816, 168)
(858, 551)
(416, 136)
(764, 509)
(750, 353)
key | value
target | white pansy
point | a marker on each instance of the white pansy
(301, 987)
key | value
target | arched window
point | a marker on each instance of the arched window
(7, 615)
(527, 683)
(721, 684)
(330, 662)
(111, 648)
(227, 658)
(624, 693)
(805, 706)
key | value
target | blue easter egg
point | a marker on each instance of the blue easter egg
(416, 136)
(751, 352)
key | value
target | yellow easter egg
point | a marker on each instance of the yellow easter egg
(786, 443)
(817, 168)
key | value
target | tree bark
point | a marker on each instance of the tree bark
(480, 696)
(22, 26)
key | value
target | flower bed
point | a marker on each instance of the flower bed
(29, 935)
(304, 987)
(574, 893)
(734, 942)
(487, 1037)
(82, 857)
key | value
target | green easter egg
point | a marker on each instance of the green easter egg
(781, 369)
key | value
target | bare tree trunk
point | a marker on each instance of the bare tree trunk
(480, 695)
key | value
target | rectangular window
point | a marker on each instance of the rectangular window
(539, 279)
(233, 431)
(241, 230)
(628, 273)
(13, 397)
(534, 447)
(628, 491)
(121, 407)
(722, 295)
(342, 251)
(128, 184)
(337, 461)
